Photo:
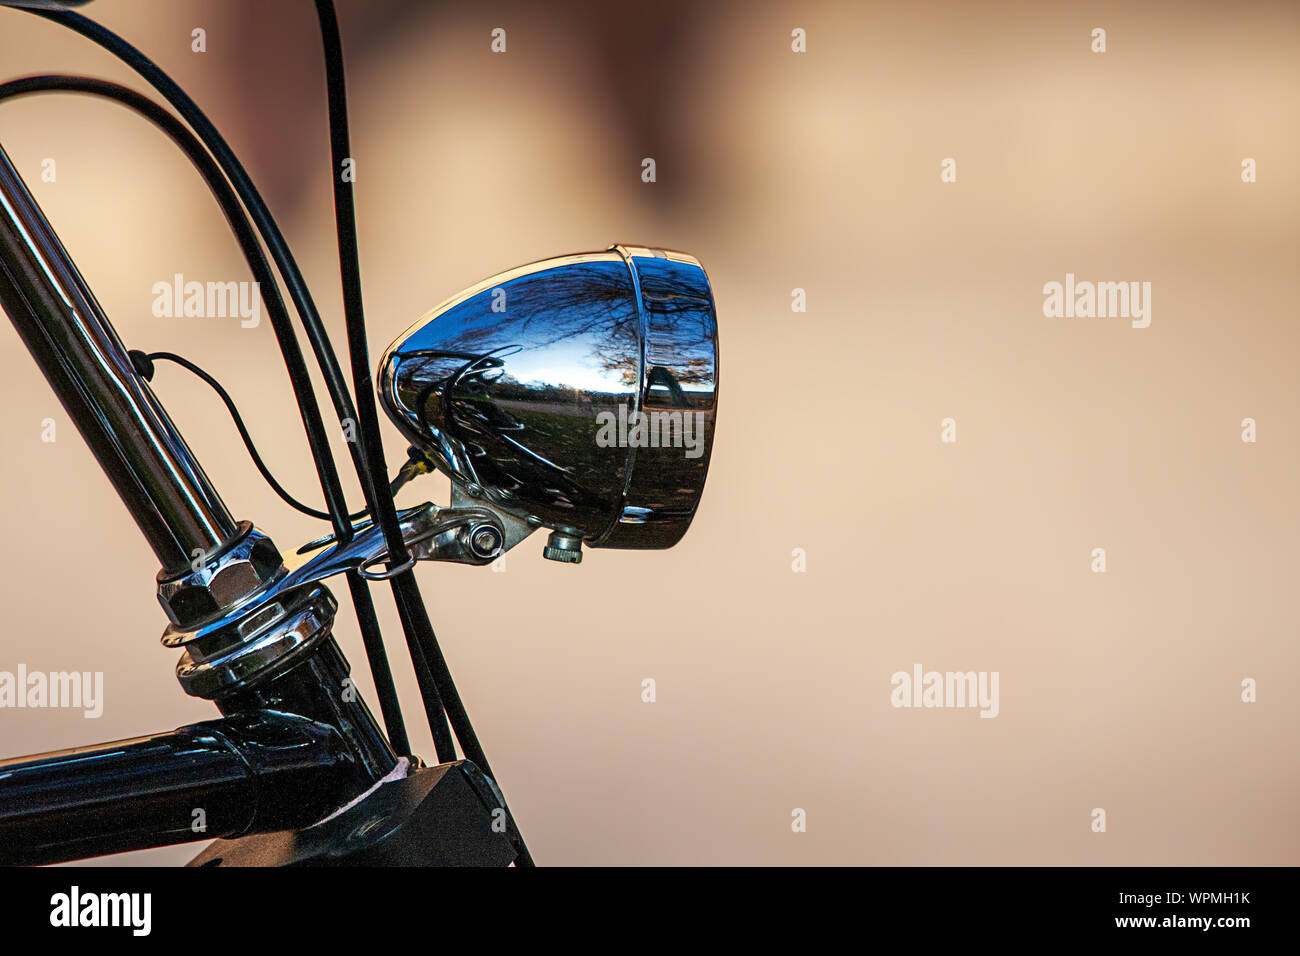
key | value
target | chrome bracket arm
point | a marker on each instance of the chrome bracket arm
(288, 614)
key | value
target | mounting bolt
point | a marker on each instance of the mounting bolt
(485, 541)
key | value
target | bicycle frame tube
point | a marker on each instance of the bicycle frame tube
(180, 513)
(68, 334)
(252, 773)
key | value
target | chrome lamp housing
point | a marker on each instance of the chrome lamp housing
(578, 393)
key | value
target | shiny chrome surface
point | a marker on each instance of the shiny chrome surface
(249, 649)
(545, 392)
(71, 339)
(215, 583)
(311, 563)
(272, 625)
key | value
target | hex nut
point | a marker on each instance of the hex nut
(223, 580)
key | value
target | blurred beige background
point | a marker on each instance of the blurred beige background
(778, 170)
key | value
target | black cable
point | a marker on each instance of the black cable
(429, 695)
(217, 387)
(244, 235)
(405, 587)
(144, 365)
(363, 605)
(294, 282)
(304, 393)
(435, 682)
(243, 186)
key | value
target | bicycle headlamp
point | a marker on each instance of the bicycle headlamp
(577, 393)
